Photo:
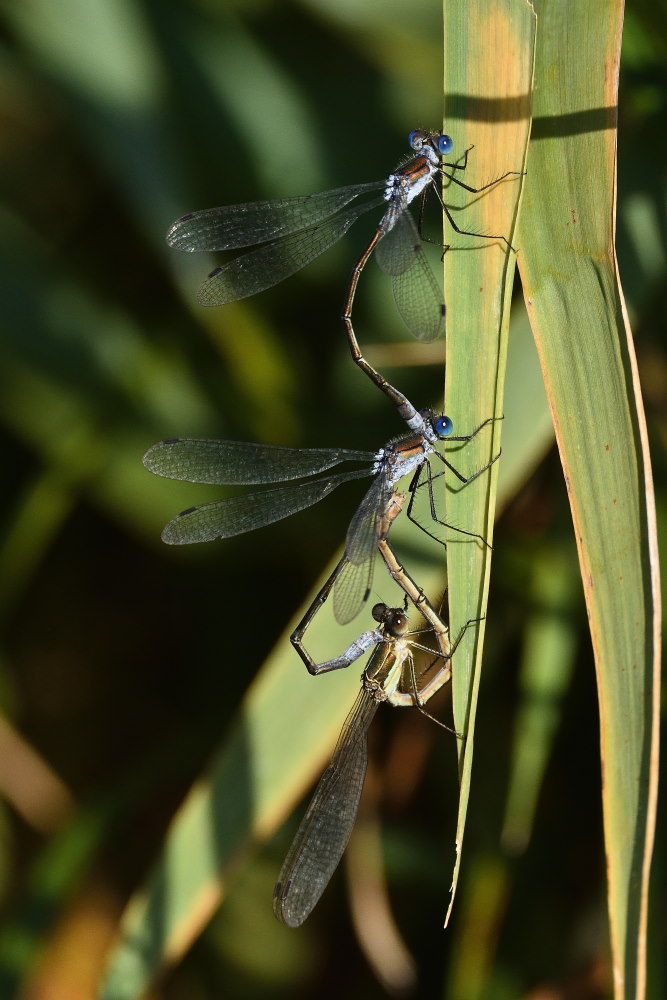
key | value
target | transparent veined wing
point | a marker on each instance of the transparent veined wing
(269, 265)
(418, 297)
(231, 227)
(352, 588)
(236, 515)
(325, 829)
(237, 463)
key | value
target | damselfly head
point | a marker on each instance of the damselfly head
(439, 143)
(395, 620)
(442, 424)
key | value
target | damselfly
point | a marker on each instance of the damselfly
(294, 231)
(326, 826)
(238, 463)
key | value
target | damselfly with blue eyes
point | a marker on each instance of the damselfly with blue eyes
(237, 463)
(295, 231)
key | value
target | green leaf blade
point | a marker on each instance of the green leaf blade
(577, 311)
(490, 102)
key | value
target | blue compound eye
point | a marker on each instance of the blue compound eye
(445, 144)
(416, 139)
(443, 426)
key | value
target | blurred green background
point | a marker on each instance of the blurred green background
(123, 661)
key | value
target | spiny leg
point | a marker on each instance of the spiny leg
(484, 187)
(468, 232)
(472, 190)
(417, 484)
(418, 695)
(465, 480)
(465, 438)
(475, 432)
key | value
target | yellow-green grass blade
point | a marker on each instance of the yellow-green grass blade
(489, 55)
(571, 284)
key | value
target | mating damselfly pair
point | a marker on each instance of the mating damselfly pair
(288, 233)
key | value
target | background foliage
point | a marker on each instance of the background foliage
(122, 661)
